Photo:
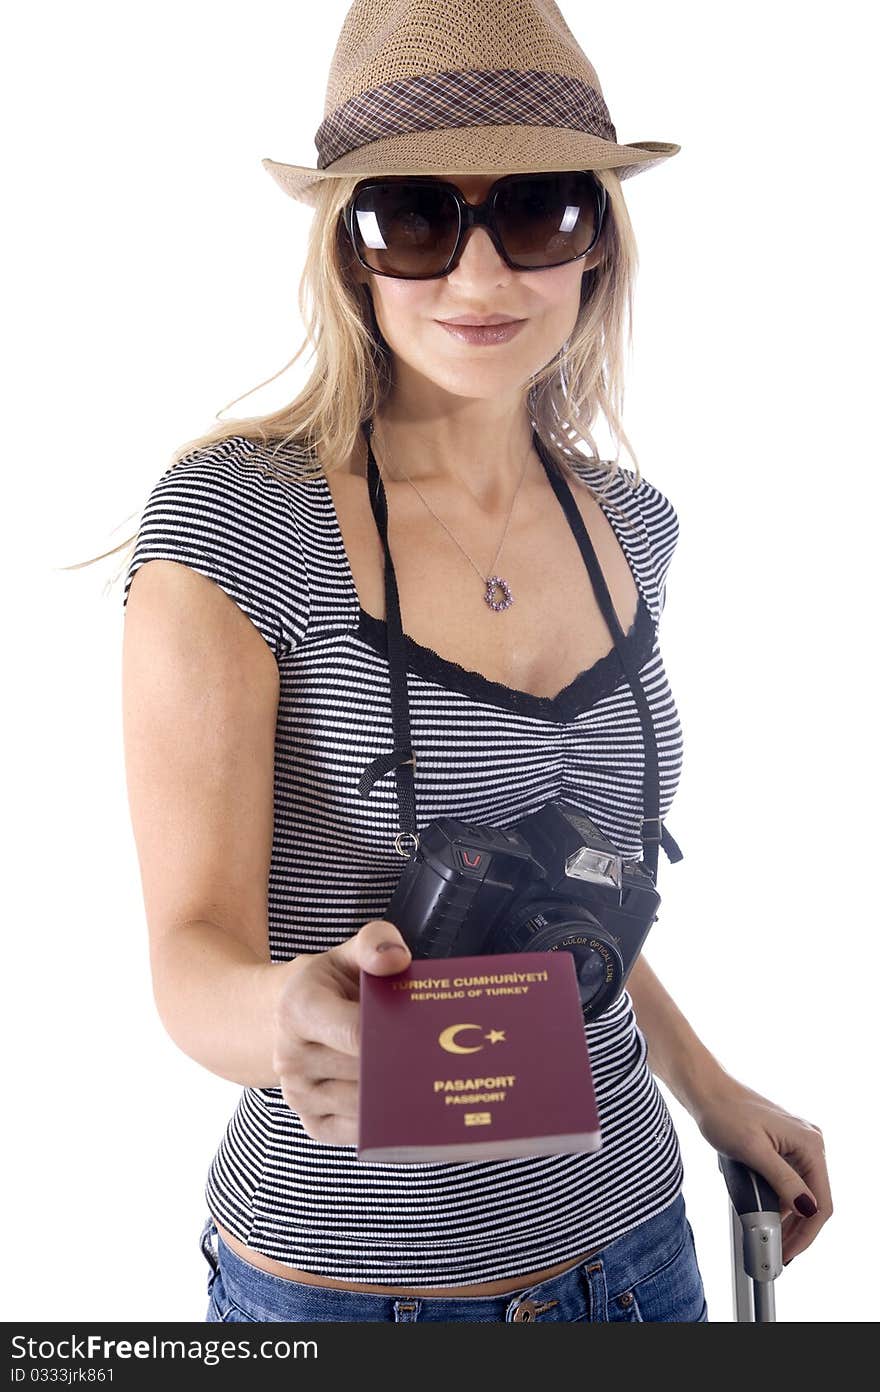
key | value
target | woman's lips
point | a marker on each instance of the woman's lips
(483, 333)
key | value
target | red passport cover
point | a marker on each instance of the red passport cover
(475, 1058)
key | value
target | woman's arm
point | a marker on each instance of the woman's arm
(676, 1054)
(737, 1121)
(218, 1000)
(200, 701)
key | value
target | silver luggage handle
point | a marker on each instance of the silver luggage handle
(755, 1240)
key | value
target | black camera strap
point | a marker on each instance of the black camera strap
(654, 833)
(402, 757)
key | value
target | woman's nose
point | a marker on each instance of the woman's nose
(479, 252)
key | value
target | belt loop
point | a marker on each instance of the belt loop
(597, 1291)
(211, 1257)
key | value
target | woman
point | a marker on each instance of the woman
(267, 860)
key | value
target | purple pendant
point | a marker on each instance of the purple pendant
(491, 584)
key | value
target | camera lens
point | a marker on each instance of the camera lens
(558, 925)
(591, 972)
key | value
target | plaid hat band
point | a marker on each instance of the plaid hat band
(450, 87)
(475, 97)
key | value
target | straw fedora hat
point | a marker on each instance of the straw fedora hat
(462, 87)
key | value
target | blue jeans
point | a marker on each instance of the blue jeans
(648, 1274)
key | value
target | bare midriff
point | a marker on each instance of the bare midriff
(308, 1278)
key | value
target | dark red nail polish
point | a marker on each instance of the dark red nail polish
(804, 1204)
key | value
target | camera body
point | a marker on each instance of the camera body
(552, 882)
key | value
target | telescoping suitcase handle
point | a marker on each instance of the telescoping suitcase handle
(755, 1239)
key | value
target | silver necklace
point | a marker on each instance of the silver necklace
(493, 583)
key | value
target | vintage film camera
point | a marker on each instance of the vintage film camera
(551, 882)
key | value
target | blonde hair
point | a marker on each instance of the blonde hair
(352, 374)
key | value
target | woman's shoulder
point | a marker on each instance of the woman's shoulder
(647, 508)
(638, 497)
(238, 462)
(221, 510)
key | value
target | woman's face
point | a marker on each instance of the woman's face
(407, 312)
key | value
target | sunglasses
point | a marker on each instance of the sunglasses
(413, 228)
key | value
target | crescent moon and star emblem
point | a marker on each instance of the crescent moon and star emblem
(447, 1039)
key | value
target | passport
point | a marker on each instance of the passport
(475, 1058)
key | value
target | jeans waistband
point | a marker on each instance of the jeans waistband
(581, 1292)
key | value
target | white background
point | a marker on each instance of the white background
(150, 279)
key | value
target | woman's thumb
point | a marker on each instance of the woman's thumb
(382, 948)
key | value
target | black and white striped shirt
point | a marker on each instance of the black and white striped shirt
(485, 753)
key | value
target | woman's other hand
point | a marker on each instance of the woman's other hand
(317, 1029)
(786, 1150)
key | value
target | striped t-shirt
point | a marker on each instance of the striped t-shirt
(485, 753)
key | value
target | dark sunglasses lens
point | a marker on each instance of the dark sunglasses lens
(546, 220)
(405, 229)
